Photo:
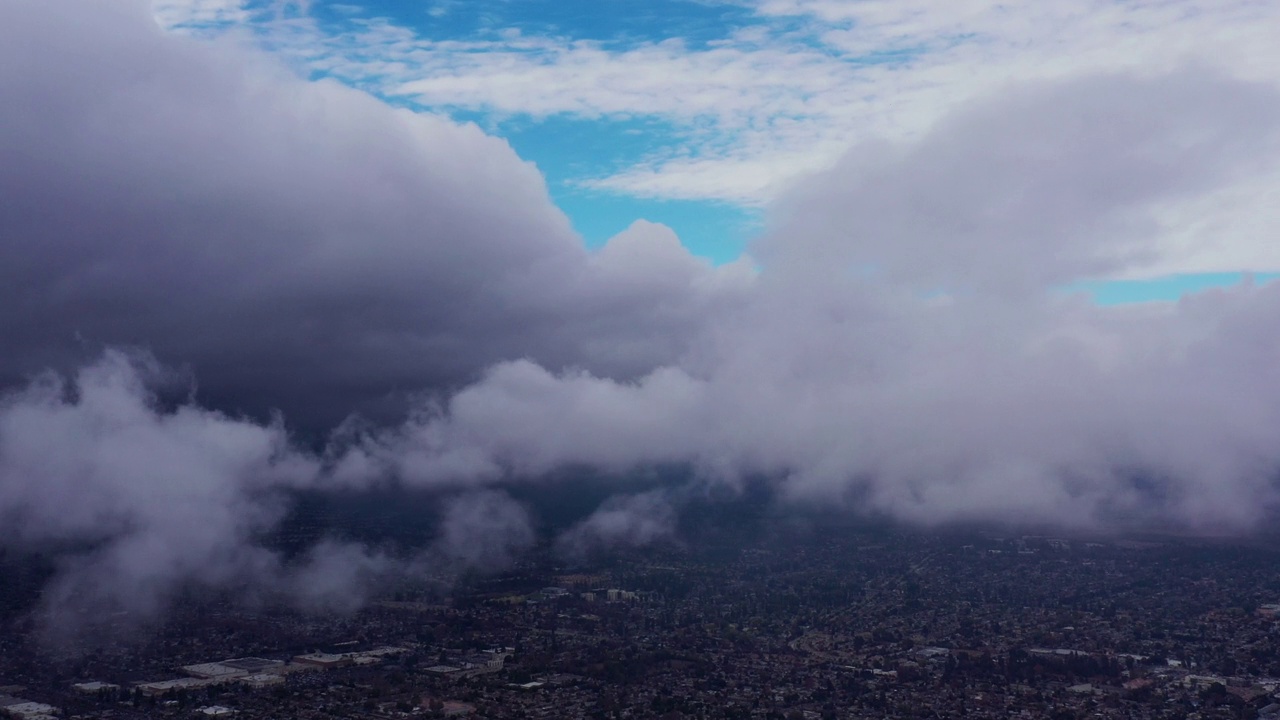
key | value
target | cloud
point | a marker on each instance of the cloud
(337, 577)
(485, 529)
(139, 503)
(1040, 185)
(622, 521)
(280, 235)
(144, 499)
(482, 531)
(1064, 415)
(904, 351)
(201, 14)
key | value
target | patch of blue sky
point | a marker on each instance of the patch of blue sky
(1164, 289)
(718, 232)
(568, 150)
(623, 22)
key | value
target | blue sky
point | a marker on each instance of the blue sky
(624, 21)
(1166, 288)
(567, 149)
(699, 114)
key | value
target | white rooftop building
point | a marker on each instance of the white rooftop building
(261, 680)
(31, 710)
(187, 683)
(93, 686)
(213, 670)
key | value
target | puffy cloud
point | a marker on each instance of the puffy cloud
(281, 235)
(1041, 184)
(1070, 416)
(338, 576)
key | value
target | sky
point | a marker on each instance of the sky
(975, 263)
(698, 113)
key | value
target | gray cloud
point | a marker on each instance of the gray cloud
(975, 390)
(146, 499)
(1067, 414)
(279, 235)
(621, 521)
(141, 503)
(485, 529)
(337, 576)
(480, 531)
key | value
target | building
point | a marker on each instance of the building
(161, 687)
(214, 670)
(323, 660)
(27, 710)
(262, 680)
(93, 687)
(252, 664)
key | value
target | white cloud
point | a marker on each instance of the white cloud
(200, 13)
(771, 102)
(850, 381)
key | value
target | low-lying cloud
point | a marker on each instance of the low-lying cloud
(621, 521)
(142, 503)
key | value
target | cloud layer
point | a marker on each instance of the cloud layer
(901, 347)
(905, 350)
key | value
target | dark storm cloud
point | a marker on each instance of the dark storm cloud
(282, 236)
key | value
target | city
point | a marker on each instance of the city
(814, 623)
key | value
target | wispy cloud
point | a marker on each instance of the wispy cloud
(205, 14)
